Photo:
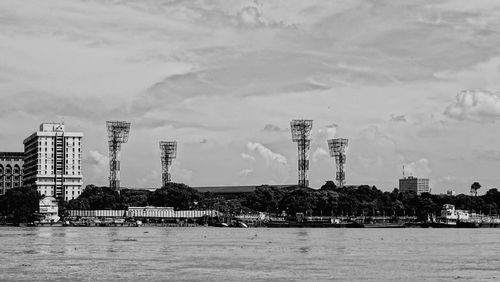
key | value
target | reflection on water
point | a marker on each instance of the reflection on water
(224, 254)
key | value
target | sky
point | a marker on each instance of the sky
(413, 83)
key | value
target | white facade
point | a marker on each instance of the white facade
(450, 214)
(53, 161)
(49, 209)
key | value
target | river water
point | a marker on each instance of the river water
(253, 254)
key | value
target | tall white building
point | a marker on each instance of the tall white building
(53, 161)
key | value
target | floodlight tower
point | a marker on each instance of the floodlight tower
(338, 147)
(118, 133)
(168, 153)
(301, 133)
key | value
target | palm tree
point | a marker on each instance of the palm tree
(474, 187)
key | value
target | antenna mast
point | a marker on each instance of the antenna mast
(301, 134)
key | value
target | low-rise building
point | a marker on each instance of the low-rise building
(11, 173)
(414, 184)
(49, 209)
(451, 193)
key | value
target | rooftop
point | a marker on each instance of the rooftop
(233, 189)
(11, 155)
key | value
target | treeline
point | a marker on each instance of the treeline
(328, 200)
(19, 204)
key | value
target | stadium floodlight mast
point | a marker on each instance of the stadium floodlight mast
(117, 135)
(338, 148)
(301, 134)
(168, 153)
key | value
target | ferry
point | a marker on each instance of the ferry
(451, 217)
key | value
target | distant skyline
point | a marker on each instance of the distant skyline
(412, 83)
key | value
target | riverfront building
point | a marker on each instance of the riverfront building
(52, 161)
(413, 184)
(11, 173)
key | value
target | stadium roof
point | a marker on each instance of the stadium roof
(234, 189)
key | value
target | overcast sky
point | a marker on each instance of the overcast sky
(408, 82)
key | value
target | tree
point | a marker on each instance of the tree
(329, 185)
(474, 187)
(176, 195)
(20, 204)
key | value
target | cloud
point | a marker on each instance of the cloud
(250, 16)
(253, 17)
(328, 132)
(320, 153)
(272, 127)
(245, 172)
(246, 156)
(95, 158)
(95, 167)
(475, 105)
(398, 118)
(419, 168)
(269, 156)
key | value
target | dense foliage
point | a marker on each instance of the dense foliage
(19, 204)
(329, 200)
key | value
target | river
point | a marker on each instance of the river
(253, 254)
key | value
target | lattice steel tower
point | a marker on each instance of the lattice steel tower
(301, 133)
(118, 133)
(168, 153)
(338, 147)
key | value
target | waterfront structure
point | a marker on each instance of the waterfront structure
(168, 154)
(143, 212)
(53, 161)
(48, 209)
(11, 173)
(118, 132)
(414, 184)
(338, 148)
(301, 134)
